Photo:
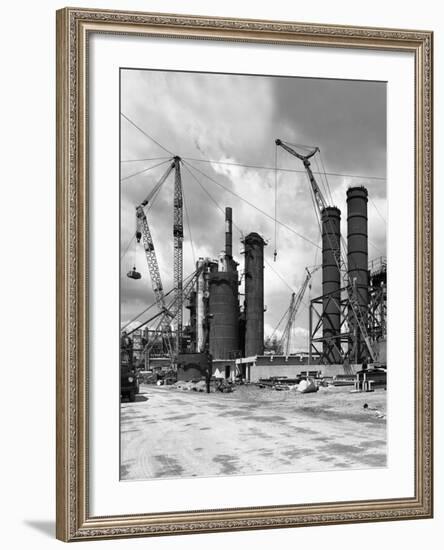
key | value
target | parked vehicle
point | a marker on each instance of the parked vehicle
(129, 383)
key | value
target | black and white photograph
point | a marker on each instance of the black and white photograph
(253, 274)
(230, 214)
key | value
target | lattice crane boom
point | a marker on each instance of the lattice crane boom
(319, 197)
(295, 303)
(172, 309)
(143, 232)
(178, 252)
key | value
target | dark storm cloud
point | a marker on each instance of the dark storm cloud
(235, 119)
(345, 119)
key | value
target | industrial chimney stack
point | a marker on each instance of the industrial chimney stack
(228, 232)
(331, 283)
(357, 244)
(254, 294)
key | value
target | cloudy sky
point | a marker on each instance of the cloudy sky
(235, 119)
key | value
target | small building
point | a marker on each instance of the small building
(252, 369)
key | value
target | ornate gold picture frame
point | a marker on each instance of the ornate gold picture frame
(74, 518)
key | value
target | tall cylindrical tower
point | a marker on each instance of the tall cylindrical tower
(331, 283)
(357, 257)
(228, 232)
(254, 294)
(224, 314)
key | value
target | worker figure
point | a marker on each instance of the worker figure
(126, 349)
(208, 369)
(125, 341)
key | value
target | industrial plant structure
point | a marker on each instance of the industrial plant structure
(336, 317)
(347, 323)
(219, 325)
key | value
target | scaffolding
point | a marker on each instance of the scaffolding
(346, 342)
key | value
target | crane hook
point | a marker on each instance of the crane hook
(134, 274)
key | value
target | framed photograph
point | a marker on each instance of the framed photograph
(244, 274)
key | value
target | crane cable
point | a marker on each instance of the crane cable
(238, 228)
(325, 175)
(186, 283)
(323, 180)
(271, 168)
(252, 205)
(377, 210)
(238, 164)
(158, 331)
(296, 295)
(143, 312)
(144, 170)
(212, 198)
(187, 218)
(279, 323)
(144, 160)
(135, 243)
(127, 247)
(145, 134)
(278, 274)
(148, 208)
(275, 203)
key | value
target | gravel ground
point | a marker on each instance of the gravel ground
(170, 433)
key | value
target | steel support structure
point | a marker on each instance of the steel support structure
(377, 308)
(329, 347)
(377, 313)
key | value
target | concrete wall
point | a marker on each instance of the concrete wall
(291, 371)
(265, 371)
(294, 360)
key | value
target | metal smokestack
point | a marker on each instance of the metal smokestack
(228, 232)
(357, 257)
(224, 312)
(254, 294)
(331, 283)
(224, 301)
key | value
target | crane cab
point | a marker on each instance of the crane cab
(134, 274)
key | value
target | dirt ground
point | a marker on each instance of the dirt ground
(169, 433)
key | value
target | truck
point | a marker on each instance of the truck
(129, 383)
(129, 378)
